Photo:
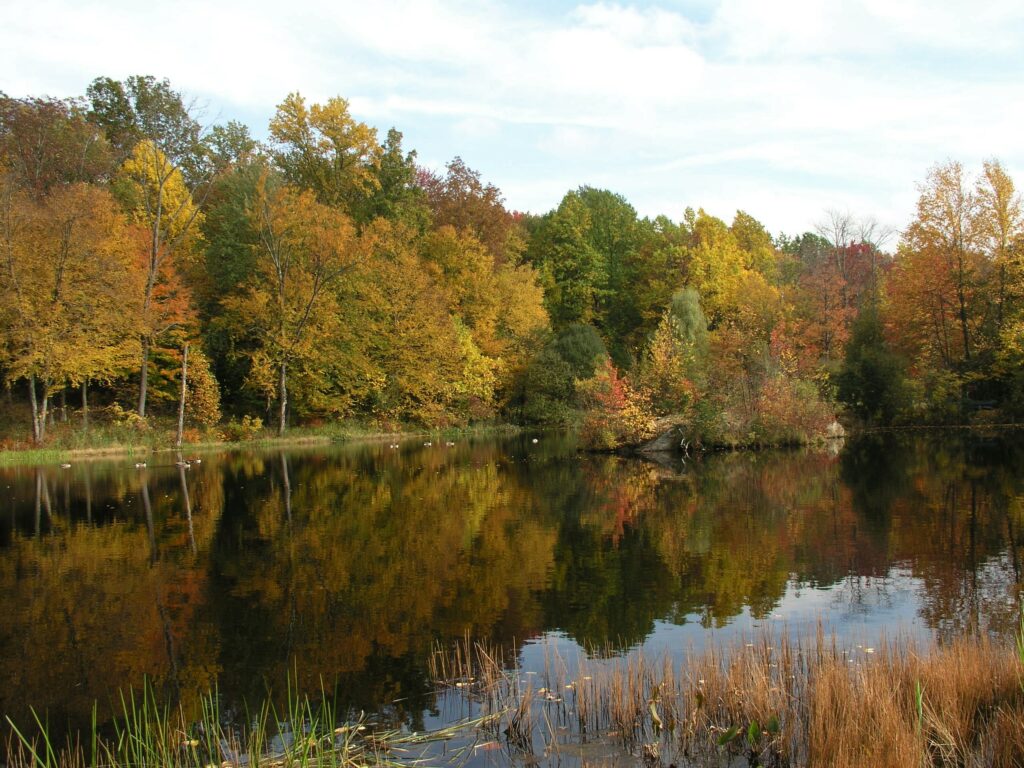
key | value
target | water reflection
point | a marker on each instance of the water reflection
(345, 567)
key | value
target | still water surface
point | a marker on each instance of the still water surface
(346, 566)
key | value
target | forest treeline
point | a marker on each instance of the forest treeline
(322, 274)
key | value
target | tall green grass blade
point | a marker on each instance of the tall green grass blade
(25, 743)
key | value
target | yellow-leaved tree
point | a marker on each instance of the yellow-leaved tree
(500, 305)
(322, 148)
(287, 309)
(67, 300)
(415, 343)
(155, 192)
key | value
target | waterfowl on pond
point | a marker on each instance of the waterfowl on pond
(140, 465)
(65, 466)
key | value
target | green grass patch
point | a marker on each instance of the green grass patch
(71, 440)
(309, 733)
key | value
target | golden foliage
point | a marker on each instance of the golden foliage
(69, 302)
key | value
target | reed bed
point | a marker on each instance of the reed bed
(775, 701)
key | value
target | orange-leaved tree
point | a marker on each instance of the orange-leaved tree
(155, 192)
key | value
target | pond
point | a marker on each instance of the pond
(343, 568)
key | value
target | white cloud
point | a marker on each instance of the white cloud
(794, 106)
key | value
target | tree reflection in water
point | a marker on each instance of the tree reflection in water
(346, 566)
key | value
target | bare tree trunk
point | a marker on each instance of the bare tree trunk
(85, 403)
(44, 411)
(143, 376)
(184, 387)
(963, 325)
(36, 437)
(283, 399)
(64, 404)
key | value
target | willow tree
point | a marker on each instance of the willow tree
(304, 250)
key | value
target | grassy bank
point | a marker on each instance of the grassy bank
(309, 734)
(67, 441)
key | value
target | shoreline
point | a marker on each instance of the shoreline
(648, 450)
(40, 456)
(336, 434)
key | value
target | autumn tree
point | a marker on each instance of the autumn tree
(155, 192)
(67, 290)
(304, 250)
(671, 373)
(501, 303)
(1000, 225)
(522, 321)
(755, 242)
(142, 108)
(323, 149)
(856, 266)
(420, 351)
(946, 238)
(614, 414)
(715, 267)
(200, 397)
(463, 266)
(955, 288)
(459, 198)
(47, 142)
(162, 181)
(733, 282)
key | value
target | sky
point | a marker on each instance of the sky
(782, 109)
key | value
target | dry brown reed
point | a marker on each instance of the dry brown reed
(786, 702)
